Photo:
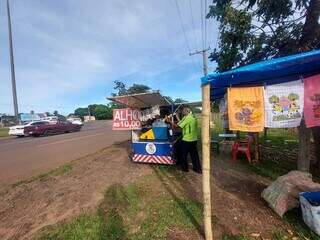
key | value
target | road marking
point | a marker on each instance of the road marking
(69, 140)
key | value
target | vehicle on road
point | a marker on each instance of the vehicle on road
(51, 119)
(50, 129)
(19, 129)
(75, 120)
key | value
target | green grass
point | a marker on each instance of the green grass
(294, 218)
(86, 227)
(270, 169)
(4, 132)
(134, 212)
(55, 172)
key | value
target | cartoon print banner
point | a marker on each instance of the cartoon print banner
(126, 119)
(284, 105)
(312, 101)
(246, 109)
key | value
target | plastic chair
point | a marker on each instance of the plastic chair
(242, 146)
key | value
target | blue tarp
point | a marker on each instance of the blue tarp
(273, 71)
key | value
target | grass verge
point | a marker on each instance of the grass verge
(139, 211)
(4, 132)
(55, 172)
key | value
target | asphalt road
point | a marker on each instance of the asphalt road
(21, 158)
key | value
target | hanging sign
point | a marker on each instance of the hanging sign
(312, 101)
(126, 119)
(246, 109)
(284, 105)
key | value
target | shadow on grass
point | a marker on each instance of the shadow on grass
(165, 175)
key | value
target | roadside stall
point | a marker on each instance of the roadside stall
(146, 116)
(277, 93)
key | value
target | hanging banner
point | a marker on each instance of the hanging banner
(312, 101)
(126, 119)
(284, 105)
(246, 109)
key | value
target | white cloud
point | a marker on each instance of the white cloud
(65, 47)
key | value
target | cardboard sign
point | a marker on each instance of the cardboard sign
(126, 119)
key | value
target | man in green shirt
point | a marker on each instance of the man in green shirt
(188, 145)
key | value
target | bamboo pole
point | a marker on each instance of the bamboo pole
(206, 173)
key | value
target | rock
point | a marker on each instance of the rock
(283, 194)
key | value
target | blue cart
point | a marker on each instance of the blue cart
(153, 152)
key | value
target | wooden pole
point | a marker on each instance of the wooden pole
(256, 147)
(304, 147)
(205, 135)
(206, 172)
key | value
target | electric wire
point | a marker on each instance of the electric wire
(193, 25)
(182, 26)
(184, 32)
(202, 23)
(205, 23)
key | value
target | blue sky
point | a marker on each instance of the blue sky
(69, 52)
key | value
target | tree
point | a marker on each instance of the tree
(120, 87)
(55, 113)
(99, 111)
(81, 112)
(254, 30)
(102, 112)
(138, 88)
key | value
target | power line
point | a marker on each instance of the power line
(193, 25)
(184, 32)
(202, 27)
(182, 26)
(205, 23)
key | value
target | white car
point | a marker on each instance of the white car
(19, 129)
(76, 121)
(51, 119)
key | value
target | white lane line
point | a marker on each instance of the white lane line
(70, 140)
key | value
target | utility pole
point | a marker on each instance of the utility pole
(13, 77)
(205, 136)
(205, 59)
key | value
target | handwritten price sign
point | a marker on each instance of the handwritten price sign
(126, 119)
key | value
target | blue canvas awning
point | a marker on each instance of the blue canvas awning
(273, 71)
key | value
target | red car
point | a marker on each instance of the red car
(46, 128)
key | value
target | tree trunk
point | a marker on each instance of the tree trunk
(316, 139)
(206, 171)
(311, 30)
(304, 147)
(309, 40)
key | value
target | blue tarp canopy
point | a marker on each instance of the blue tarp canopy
(273, 71)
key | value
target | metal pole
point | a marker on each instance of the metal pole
(13, 77)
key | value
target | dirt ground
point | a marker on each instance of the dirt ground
(237, 206)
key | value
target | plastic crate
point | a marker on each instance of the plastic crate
(311, 212)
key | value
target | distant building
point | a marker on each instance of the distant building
(89, 118)
(7, 120)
